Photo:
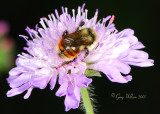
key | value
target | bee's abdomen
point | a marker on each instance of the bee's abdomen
(67, 52)
(70, 53)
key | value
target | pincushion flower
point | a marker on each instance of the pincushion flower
(7, 45)
(41, 65)
(4, 28)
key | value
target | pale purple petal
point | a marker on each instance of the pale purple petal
(125, 33)
(83, 81)
(40, 82)
(129, 34)
(23, 78)
(77, 93)
(62, 90)
(145, 63)
(71, 87)
(111, 72)
(28, 93)
(53, 80)
(62, 76)
(137, 45)
(121, 66)
(115, 76)
(128, 77)
(16, 91)
(16, 71)
(70, 102)
(137, 58)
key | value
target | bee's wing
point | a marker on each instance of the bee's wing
(77, 40)
(73, 40)
(84, 40)
(69, 41)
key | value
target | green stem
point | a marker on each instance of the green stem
(86, 101)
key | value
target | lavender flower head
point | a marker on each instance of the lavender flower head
(114, 52)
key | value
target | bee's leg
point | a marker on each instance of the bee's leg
(97, 45)
(65, 33)
(87, 52)
(80, 25)
(67, 62)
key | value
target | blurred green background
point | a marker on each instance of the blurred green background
(143, 16)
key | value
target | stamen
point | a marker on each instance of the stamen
(86, 11)
(36, 27)
(97, 10)
(79, 10)
(66, 9)
(46, 22)
(54, 19)
(42, 23)
(25, 48)
(56, 12)
(95, 16)
(112, 19)
(50, 18)
(19, 55)
(83, 7)
(62, 9)
(73, 12)
(32, 33)
(106, 19)
(25, 37)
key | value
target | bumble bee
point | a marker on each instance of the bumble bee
(71, 44)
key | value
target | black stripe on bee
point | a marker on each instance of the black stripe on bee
(61, 52)
(68, 49)
(90, 33)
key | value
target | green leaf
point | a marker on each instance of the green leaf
(90, 73)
